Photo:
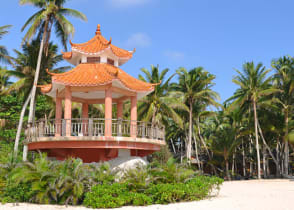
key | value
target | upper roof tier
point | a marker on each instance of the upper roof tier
(97, 46)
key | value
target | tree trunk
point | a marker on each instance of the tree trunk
(34, 88)
(227, 169)
(196, 153)
(263, 161)
(286, 148)
(189, 145)
(233, 163)
(19, 128)
(250, 162)
(243, 162)
(256, 140)
(201, 139)
(269, 149)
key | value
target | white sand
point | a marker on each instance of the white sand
(245, 195)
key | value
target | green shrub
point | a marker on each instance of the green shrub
(113, 196)
(166, 193)
(16, 193)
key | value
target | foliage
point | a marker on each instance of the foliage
(119, 194)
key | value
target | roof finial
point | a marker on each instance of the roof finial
(98, 32)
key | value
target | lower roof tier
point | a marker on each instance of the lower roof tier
(93, 76)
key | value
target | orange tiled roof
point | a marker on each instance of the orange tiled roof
(45, 88)
(99, 43)
(94, 74)
(66, 55)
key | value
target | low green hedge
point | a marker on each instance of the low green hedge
(120, 194)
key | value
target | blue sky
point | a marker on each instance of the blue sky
(218, 35)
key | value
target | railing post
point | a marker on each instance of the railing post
(90, 127)
(63, 127)
(119, 127)
(41, 129)
(143, 129)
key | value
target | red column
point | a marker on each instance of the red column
(58, 115)
(108, 112)
(119, 110)
(85, 116)
(134, 116)
(67, 110)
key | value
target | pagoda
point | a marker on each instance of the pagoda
(96, 79)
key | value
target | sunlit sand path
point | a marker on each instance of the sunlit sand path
(250, 195)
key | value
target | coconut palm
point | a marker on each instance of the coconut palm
(254, 84)
(51, 14)
(25, 64)
(4, 57)
(224, 142)
(159, 104)
(284, 80)
(195, 86)
(4, 80)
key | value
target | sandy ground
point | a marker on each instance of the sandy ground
(244, 195)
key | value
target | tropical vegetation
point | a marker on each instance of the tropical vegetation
(249, 135)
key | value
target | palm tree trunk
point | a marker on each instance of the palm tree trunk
(250, 151)
(196, 153)
(227, 169)
(286, 148)
(189, 145)
(256, 140)
(34, 88)
(19, 128)
(269, 150)
(201, 138)
(243, 162)
(264, 161)
(233, 163)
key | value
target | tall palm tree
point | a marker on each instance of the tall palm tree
(4, 57)
(51, 14)
(25, 64)
(195, 86)
(254, 83)
(284, 80)
(224, 139)
(4, 80)
(159, 104)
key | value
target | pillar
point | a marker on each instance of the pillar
(58, 116)
(119, 110)
(134, 116)
(85, 116)
(119, 117)
(67, 111)
(108, 112)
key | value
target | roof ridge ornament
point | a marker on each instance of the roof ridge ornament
(98, 31)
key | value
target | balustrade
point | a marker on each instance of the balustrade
(96, 127)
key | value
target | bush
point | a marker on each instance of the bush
(119, 194)
(113, 196)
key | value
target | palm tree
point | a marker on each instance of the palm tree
(51, 14)
(159, 104)
(194, 86)
(25, 64)
(284, 80)
(4, 80)
(225, 139)
(254, 83)
(4, 57)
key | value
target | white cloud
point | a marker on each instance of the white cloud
(126, 3)
(138, 40)
(175, 55)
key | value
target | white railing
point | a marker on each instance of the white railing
(97, 127)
